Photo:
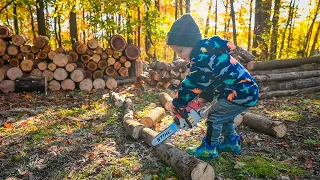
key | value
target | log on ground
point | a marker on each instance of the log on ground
(165, 99)
(287, 76)
(265, 125)
(290, 85)
(270, 94)
(187, 167)
(30, 84)
(309, 67)
(153, 117)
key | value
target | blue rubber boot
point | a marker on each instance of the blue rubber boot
(204, 150)
(231, 145)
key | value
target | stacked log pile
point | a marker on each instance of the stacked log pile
(287, 77)
(86, 66)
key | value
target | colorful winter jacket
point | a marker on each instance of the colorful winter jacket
(213, 69)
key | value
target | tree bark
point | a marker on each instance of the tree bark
(315, 41)
(274, 34)
(165, 99)
(250, 24)
(32, 21)
(278, 64)
(291, 10)
(129, 80)
(233, 22)
(30, 84)
(186, 166)
(40, 17)
(15, 19)
(207, 27)
(290, 85)
(287, 76)
(265, 125)
(309, 34)
(216, 18)
(73, 25)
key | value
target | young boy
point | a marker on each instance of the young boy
(212, 71)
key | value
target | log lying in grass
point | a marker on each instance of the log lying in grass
(290, 85)
(278, 64)
(265, 125)
(153, 117)
(289, 92)
(186, 166)
(165, 99)
(30, 84)
(309, 67)
(287, 76)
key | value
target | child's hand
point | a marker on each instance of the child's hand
(231, 46)
(200, 101)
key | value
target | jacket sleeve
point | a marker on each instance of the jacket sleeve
(196, 82)
(218, 41)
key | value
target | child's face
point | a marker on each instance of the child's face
(183, 52)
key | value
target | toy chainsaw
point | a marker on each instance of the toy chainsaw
(184, 119)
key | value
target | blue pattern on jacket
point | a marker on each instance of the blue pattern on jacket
(216, 71)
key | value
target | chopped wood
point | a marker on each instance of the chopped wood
(30, 84)
(128, 80)
(123, 59)
(1, 62)
(96, 58)
(117, 43)
(123, 71)
(80, 65)
(265, 125)
(79, 48)
(111, 83)
(48, 74)
(68, 84)
(309, 67)
(7, 86)
(86, 85)
(278, 64)
(19, 40)
(25, 48)
(290, 85)
(104, 56)
(98, 50)
(3, 47)
(60, 50)
(187, 167)
(37, 72)
(26, 65)
(103, 64)
(90, 51)
(245, 55)
(52, 67)
(12, 50)
(71, 67)
(97, 74)
(14, 62)
(93, 43)
(116, 54)
(132, 52)
(88, 74)
(42, 66)
(30, 56)
(138, 67)
(5, 32)
(54, 85)
(111, 60)
(127, 64)
(6, 56)
(20, 56)
(3, 72)
(265, 95)
(40, 41)
(153, 117)
(61, 60)
(34, 50)
(85, 58)
(164, 85)
(117, 65)
(74, 56)
(46, 48)
(60, 74)
(110, 71)
(109, 51)
(92, 66)
(165, 100)
(99, 83)
(78, 75)
(287, 76)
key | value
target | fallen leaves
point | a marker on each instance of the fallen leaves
(2, 154)
(136, 167)
(7, 125)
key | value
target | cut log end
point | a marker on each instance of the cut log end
(117, 42)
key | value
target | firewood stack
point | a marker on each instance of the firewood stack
(86, 66)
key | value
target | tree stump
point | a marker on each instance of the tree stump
(99, 83)
(263, 124)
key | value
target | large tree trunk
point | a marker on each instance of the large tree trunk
(278, 64)
(32, 21)
(265, 125)
(15, 19)
(315, 41)
(290, 85)
(186, 166)
(206, 30)
(40, 17)
(287, 76)
(249, 29)
(275, 26)
(73, 26)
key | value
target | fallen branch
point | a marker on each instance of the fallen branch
(186, 166)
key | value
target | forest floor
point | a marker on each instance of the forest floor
(79, 135)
